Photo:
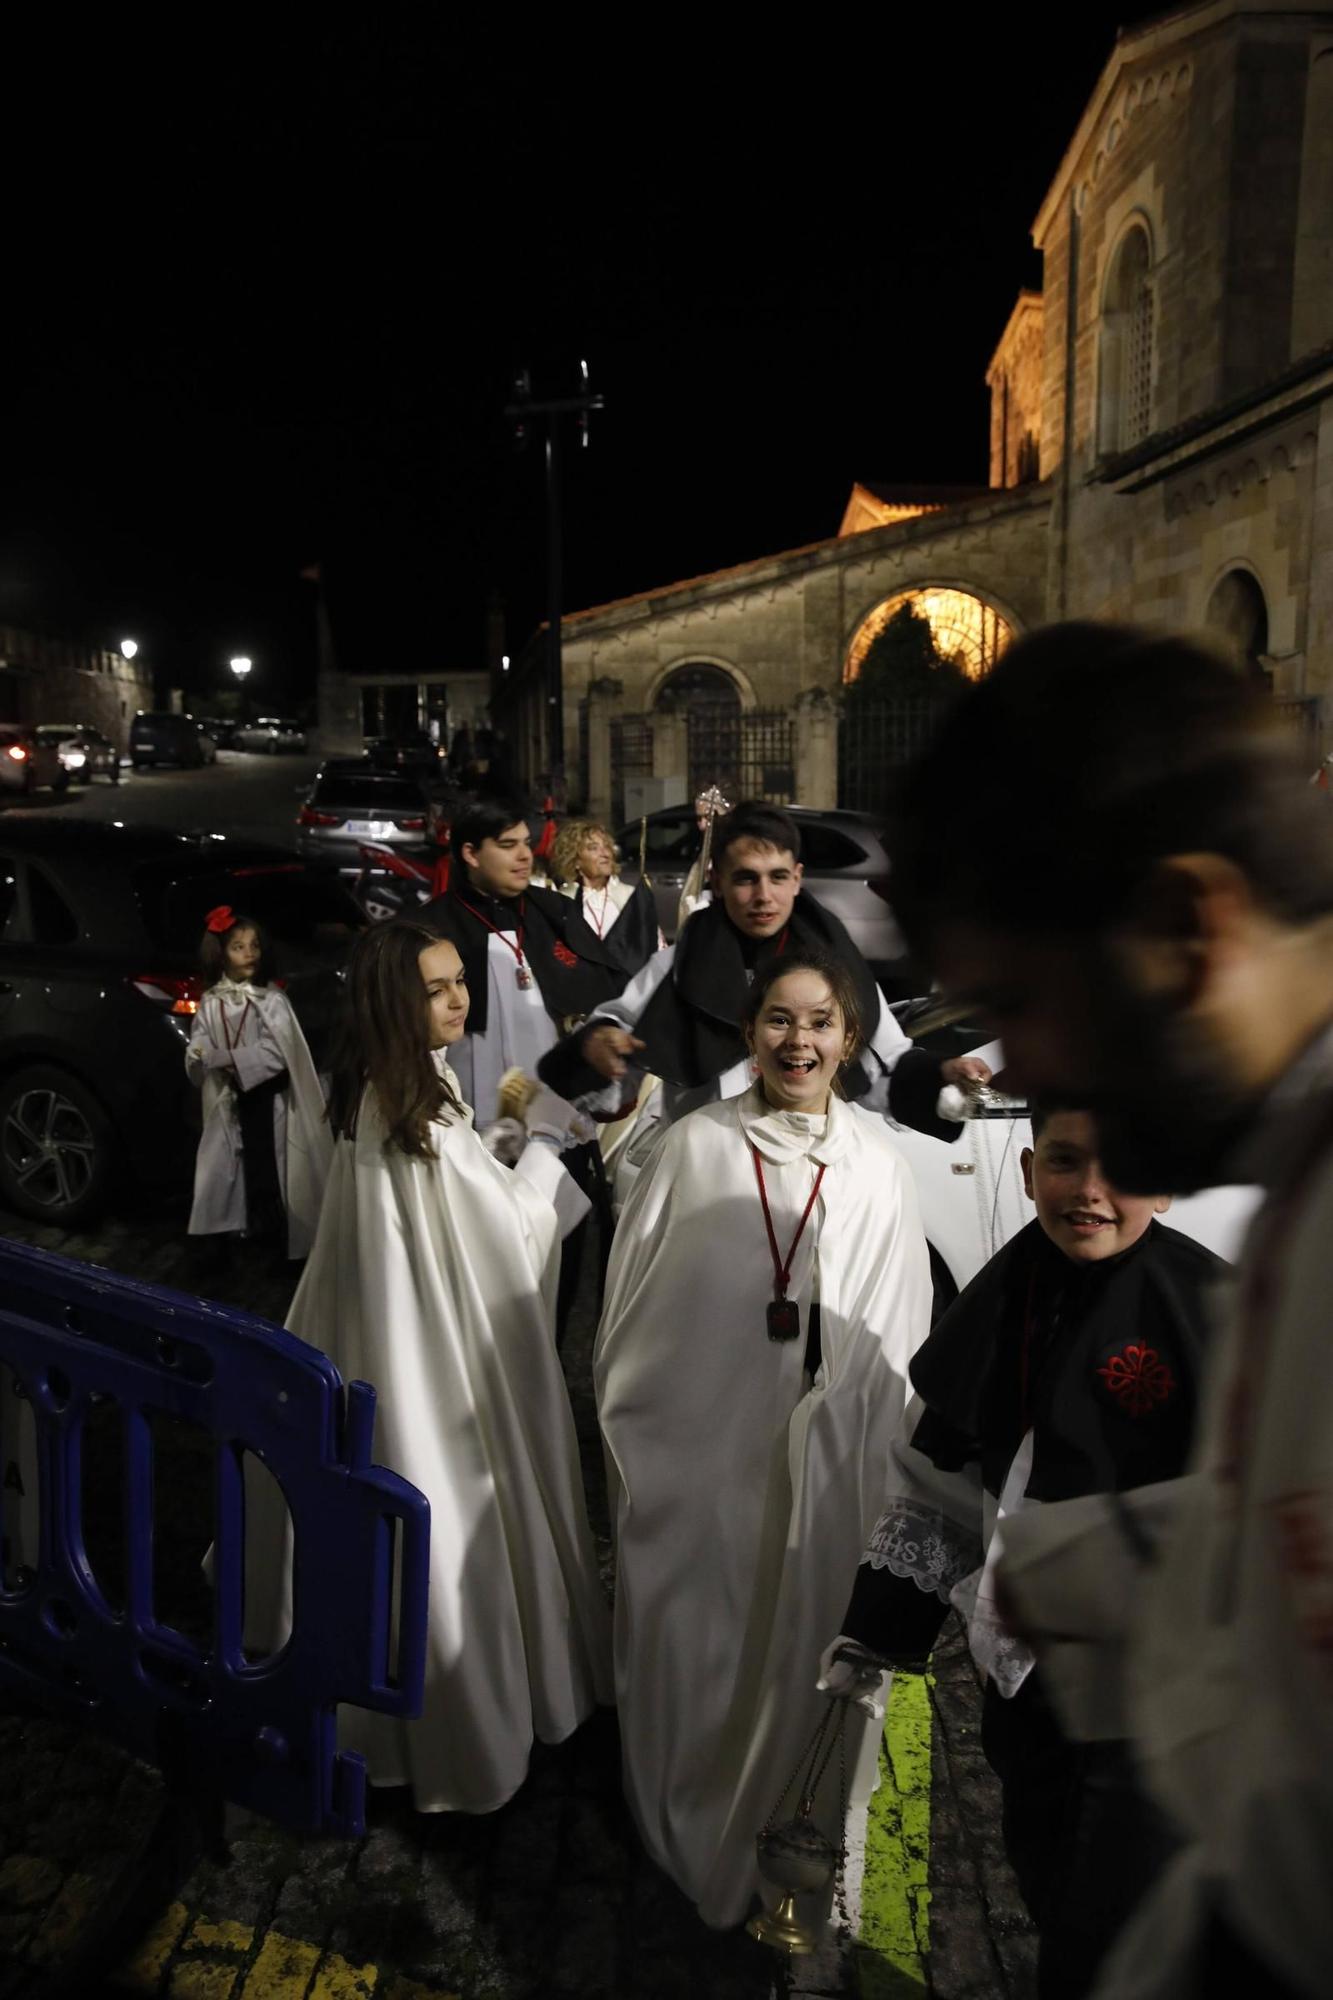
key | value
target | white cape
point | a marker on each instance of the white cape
(269, 1039)
(741, 1498)
(434, 1280)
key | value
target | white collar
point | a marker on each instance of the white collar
(783, 1136)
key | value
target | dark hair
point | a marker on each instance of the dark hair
(1041, 1110)
(841, 985)
(213, 951)
(767, 825)
(486, 820)
(383, 1041)
(1158, 745)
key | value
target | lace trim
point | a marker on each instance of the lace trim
(921, 1543)
(1007, 1660)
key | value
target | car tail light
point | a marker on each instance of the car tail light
(309, 817)
(17, 752)
(417, 825)
(176, 995)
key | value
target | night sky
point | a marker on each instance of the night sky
(263, 299)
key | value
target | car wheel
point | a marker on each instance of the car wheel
(60, 782)
(87, 778)
(56, 1147)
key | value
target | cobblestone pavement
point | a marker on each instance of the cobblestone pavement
(552, 1895)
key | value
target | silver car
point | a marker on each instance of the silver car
(27, 762)
(846, 869)
(347, 806)
(83, 751)
(271, 733)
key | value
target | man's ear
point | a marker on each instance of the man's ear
(1161, 1205)
(799, 872)
(1025, 1162)
(468, 856)
(1189, 917)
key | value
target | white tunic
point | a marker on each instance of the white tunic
(253, 1030)
(740, 1492)
(519, 1031)
(434, 1280)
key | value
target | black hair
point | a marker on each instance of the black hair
(1149, 743)
(1041, 1110)
(486, 820)
(213, 951)
(752, 819)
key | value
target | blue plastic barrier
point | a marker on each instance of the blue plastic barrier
(259, 1733)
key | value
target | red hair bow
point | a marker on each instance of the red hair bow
(220, 919)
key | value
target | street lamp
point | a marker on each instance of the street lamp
(128, 648)
(241, 667)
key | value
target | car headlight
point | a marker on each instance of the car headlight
(75, 759)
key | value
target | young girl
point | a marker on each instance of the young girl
(433, 1278)
(265, 1147)
(769, 1284)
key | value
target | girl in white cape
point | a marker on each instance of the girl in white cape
(433, 1278)
(768, 1286)
(264, 1151)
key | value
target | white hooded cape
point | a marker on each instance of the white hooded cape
(434, 1280)
(265, 1039)
(741, 1496)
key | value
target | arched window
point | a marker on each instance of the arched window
(712, 705)
(1125, 411)
(1238, 612)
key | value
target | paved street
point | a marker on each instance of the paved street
(551, 1895)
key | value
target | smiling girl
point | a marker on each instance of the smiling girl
(768, 1286)
(433, 1278)
(264, 1150)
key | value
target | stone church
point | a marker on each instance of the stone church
(1161, 449)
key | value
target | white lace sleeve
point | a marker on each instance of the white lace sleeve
(913, 1539)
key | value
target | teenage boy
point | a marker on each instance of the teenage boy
(1069, 1366)
(532, 964)
(680, 1017)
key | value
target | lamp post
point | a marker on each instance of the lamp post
(240, 666)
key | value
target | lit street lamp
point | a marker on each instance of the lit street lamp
(241, 667)
(128, 648)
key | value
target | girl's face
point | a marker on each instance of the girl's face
(799, 1041)
(240, 953)
(446, 992)
(596, 859)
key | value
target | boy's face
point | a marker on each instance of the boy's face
(502, 866)
(1080, 1211)
(758, 885)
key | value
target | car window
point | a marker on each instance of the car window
(310, 917)
(50, 917)
(825, 848)
(393, 794)
(670, 840)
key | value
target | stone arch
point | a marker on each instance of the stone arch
(1238, 612)
(965, 620)
(684, 662)
(1126, 343)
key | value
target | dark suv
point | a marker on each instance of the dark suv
(99, 932)
(159, 736)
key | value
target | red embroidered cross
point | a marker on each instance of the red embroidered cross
(1138, 1378)
(564, 954)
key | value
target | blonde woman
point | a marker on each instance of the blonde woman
(622, 914)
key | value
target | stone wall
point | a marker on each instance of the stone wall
(1015, 381)
(57, 680)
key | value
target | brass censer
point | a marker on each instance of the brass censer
(795, 1857)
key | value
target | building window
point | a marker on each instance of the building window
(1238, 612)
(1125, 412)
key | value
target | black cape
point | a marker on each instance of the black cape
(1103, 1363)
(632, 938)
(571, 964)
(691, 1025)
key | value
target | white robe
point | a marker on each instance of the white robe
(434, 1280)
(741, 1494)
(1218, 1659)
(519, 1031)
(263, 1038)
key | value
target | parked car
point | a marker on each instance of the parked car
(83, 751)
(160, 736)
(272, 733)
(220, 728)
(846, 868)
(413, 751)
(350, 803)
(99, 935)
(26, 762)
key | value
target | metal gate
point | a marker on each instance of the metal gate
(631, 757)
(768, 756)
(875, 740)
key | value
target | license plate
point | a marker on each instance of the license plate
(372, 829)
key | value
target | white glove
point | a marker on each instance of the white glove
(553, 1119)
(857, 1677)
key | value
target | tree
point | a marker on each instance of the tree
(904, 664)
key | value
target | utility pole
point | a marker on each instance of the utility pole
(521, 411)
